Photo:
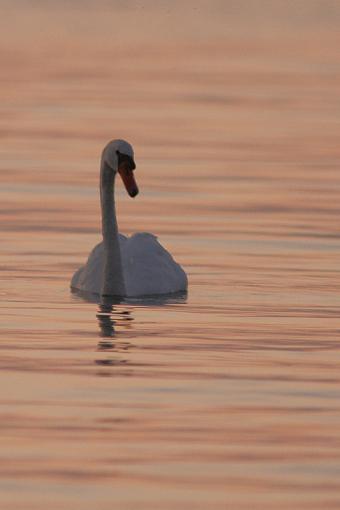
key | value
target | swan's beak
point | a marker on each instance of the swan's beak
(129, 181)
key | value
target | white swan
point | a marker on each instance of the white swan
(125, 266)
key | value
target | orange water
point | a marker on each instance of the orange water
(230, 398)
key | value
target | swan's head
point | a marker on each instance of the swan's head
(118, 155)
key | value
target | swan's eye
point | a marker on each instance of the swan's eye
(125, 161)
(125, 167)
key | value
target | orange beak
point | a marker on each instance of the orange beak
(129, 181)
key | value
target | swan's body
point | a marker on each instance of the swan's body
(148, 268)
(125, 266)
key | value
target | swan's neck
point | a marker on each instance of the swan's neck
(113, 280)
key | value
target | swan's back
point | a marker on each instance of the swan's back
(148, 268)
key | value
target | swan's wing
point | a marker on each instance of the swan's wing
(149, 268)
(88, 278)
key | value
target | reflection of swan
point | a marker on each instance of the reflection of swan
(125, 266)
(108, 317)
(176, 298)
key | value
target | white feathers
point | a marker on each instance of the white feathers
(125, 266)
(148, 269)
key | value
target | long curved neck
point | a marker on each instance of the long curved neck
(113, 279)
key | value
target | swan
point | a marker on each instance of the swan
(125, 266)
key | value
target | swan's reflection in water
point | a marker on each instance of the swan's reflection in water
(145, 301)
(115, 321)
(110, 320)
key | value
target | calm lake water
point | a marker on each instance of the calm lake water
(230, 398)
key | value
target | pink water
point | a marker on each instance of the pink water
(230, 398)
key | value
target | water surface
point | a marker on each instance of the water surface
(225, 399)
